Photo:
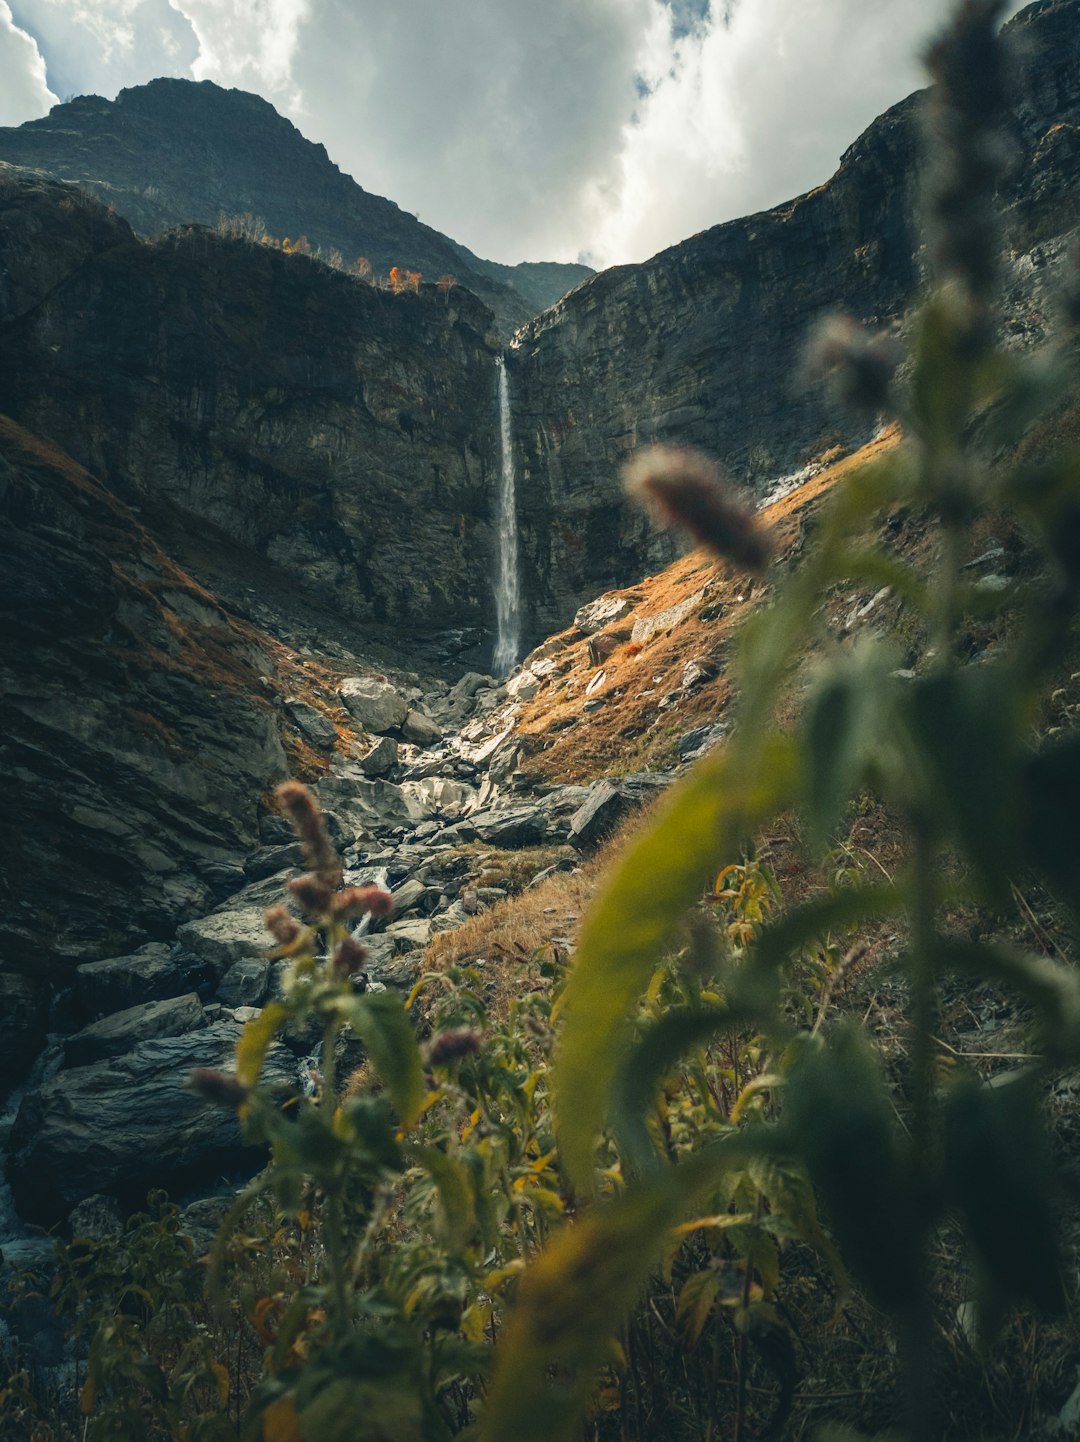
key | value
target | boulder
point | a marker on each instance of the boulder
(523, 686)
(595, 615)
(245, 983)
(421, 730)
(695, 743)
(413, 895)
(649, 626)
(153, 973)
(378, 706)
(129, 1123)
(315, 728)
(234, 933)
(608, 802)
(517, 826)
(408, 935)
(124, 1030)
(381, 758)
(270, 860)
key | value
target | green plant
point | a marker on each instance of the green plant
(953, 754)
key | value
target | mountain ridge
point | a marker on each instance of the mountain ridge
(215, 151)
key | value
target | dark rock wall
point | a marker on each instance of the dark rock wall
(348, 433)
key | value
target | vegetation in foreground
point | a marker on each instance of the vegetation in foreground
(670, 1192)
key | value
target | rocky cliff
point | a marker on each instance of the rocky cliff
(177, 152)
(704, 343)
(345, 432)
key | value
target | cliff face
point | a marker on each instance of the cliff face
(704, 343)
(347, 433)
(177, 152)
(137, 729)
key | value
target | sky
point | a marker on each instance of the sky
(593, 130)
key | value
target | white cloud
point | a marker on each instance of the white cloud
(96, 47)
(249, 44)
(744, 115)
(24, 89)
(519, 126)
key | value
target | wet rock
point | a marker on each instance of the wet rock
(24, 1008)
(114, 1035)
(377, 705)
(129, 1123)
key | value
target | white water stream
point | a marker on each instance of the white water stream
(507, 584)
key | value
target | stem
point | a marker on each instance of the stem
(335, 1230)
(915, 1325)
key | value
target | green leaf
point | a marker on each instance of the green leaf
(838, 1118)
(845, 726)
(574, 1296)
(630, 922)
(383, 1026)
(998, 1164)
(643, 1069)
(695, 1301)
(255, 1041)
(455, 1218)
(964, 728)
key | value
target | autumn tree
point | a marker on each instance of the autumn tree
(444, 285)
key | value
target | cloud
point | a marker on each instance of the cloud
(751, 109)
(486, 119)
(96, 47)
(526, 130)
(249, 44)
(24, 89)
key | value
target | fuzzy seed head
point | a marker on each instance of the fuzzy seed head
(685, 489)
(361, 901)
(312, 893)
(452, 1045)
(349, 957)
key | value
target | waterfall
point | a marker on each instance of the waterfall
(507, 586)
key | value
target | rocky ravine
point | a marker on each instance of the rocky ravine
(107, 1111)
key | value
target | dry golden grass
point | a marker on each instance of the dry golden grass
(562, 742)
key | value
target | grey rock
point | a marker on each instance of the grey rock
(245, 983)
(24, 1008)
(377, 705)
(609, 802)
(595, 615)
(114, 1035)
(381, 758)
(200, 1222)
(95, 1218)
(235, 933)
(703, 738)
(511, 828)
(649, 626)
(152, 973)
(272, 860)
(413, 895)
(316, 729)
(420, 729)
(408, 935)
(131, 1122)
